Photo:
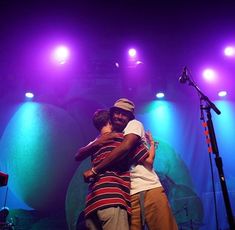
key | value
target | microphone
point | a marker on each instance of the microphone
(184, 77)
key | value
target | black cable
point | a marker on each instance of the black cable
(5, 201)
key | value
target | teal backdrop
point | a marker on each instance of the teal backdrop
(38, 143)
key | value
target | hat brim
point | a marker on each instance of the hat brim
(114, 108)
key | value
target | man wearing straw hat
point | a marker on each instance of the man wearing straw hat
(149, 202)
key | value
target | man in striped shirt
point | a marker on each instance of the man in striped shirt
(108, 200)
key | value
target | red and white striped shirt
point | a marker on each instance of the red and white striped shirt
(112, 187)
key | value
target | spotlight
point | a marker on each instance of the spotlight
(117, 64)
(160, 95)
(132, 52)
(61, 55)
(209, 75)
(138, 62)
(29, 95)
(222, 93)
(229, 51)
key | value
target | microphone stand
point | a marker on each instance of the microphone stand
(212, 146)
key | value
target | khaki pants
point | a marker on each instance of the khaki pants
(114, 218)
(157, 212)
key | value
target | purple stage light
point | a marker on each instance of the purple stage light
(29, 95)
(61, 54)
(222, 93)
(132, 53)
(229, 51)
(210, 75)
(138, 62)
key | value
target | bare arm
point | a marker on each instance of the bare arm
(116, 154)
(119, 152)
(148, 163)
(92, 147)
(86, 151)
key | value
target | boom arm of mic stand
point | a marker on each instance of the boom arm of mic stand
(204, 97)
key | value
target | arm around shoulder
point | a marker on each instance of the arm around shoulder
(93, 146)
(87, 150)
(119, 152)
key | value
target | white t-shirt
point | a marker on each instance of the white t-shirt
(142, 179)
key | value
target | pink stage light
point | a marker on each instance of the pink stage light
(138, 62)
(229, 51)
(209, 75)
(132, 53)
(61, 55)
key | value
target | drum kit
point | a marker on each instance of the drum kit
(4, 225)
